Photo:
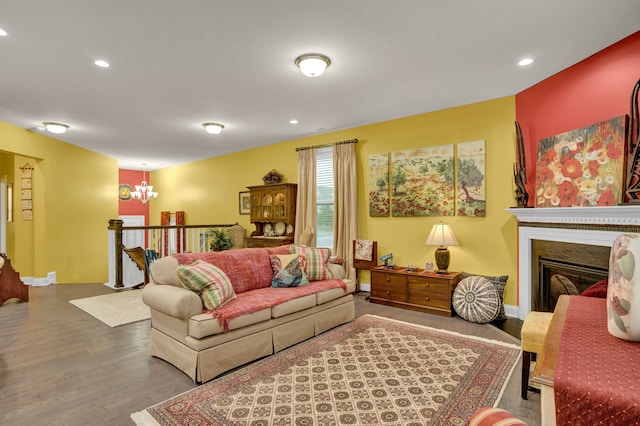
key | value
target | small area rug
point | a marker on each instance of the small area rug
(372, 371)
(115, 309)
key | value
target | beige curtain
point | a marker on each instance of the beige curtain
(306, 198)
(345, 215)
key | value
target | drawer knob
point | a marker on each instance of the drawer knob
(426, 284)
(388, 279)
(388, 292)
(426, 298)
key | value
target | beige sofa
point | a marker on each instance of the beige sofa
(191, 339)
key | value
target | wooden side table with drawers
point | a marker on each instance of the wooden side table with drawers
(417, 290)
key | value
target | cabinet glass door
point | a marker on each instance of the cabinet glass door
(267, 206)
(279, 205)
(256, 207)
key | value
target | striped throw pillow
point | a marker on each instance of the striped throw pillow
(209, 281)
(317, 258)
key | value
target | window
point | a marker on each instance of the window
(324, 197)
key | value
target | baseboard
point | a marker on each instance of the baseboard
(37, 282)
(512, 311)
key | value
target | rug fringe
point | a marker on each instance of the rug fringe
(142, 418)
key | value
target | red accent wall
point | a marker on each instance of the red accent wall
(133, 207)
(593, 90)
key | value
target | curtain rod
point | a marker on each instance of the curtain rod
(326, 145)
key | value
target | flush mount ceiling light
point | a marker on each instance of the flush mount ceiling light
(313, 64)
(102, 63)
(57, 128)
(526, 61)
(213, 128)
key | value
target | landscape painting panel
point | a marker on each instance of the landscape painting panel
(422, 182)
(379, 185)
(470, 191)
(583, 167)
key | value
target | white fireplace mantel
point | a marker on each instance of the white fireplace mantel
(615, 215)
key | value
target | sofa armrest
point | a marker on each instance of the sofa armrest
(174, 301)
(337, 271)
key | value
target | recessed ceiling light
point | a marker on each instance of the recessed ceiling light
(101, 63)
(293, 121)
(525, 61)
(3, 33)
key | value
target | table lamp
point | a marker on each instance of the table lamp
(441, 235)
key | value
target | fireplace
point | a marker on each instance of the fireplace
(583, 264)
(592, 226)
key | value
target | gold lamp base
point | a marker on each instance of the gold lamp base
(442, 259)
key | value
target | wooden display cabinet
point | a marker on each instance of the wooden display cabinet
(270, 207)
(416, 290)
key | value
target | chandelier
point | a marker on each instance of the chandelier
(143, 191)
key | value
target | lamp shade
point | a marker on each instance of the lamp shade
(313, 64)
(441, 235)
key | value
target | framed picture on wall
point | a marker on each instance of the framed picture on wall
(244, 202)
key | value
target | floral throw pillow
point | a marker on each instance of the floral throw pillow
(209, 281)
(288, 270)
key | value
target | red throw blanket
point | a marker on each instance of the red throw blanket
(256, 300)
(597, 379)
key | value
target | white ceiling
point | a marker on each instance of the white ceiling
(176, 64)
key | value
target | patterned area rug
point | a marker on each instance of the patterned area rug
(115, 309)
(373, 371)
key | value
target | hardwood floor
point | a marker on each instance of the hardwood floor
(60, 366)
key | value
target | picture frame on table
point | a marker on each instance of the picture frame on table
(244, 202)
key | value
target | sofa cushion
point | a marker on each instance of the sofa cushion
(335, 293)
(255, 300)
(288, 270)
(205, 325)
(294, 305)
(209, 281)
(317, 258)
(247, 268)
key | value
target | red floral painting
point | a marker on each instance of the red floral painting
(582, 167)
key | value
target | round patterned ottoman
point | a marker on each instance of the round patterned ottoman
(476, 299)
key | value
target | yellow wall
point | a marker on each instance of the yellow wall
(208, 190)
(74, 196)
